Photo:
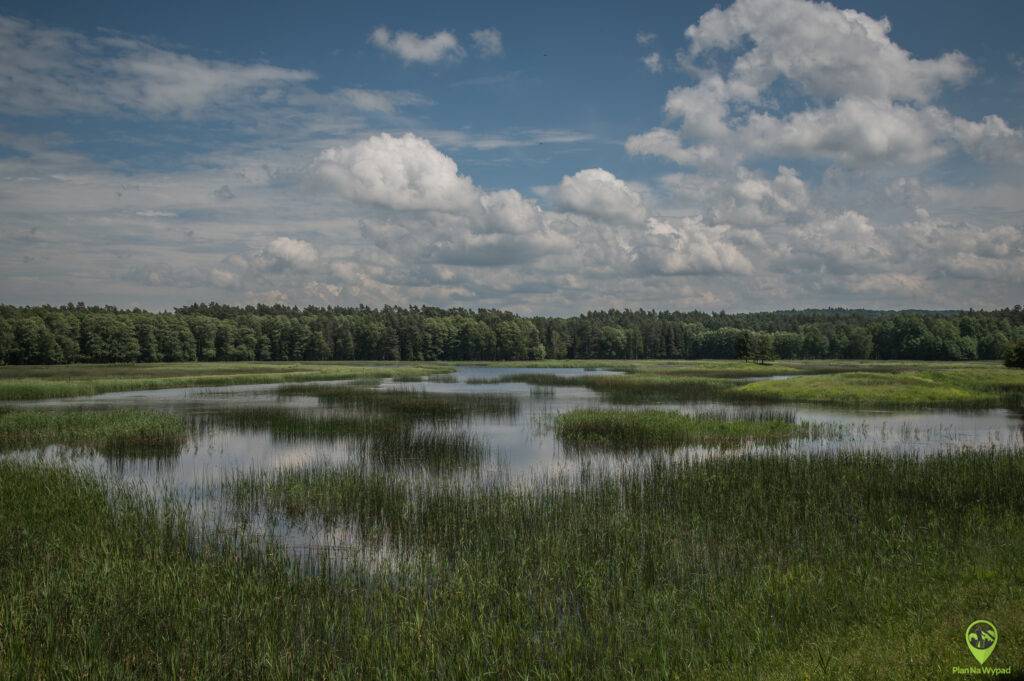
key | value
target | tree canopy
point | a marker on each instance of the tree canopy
(215, 332)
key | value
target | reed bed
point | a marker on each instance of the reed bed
(854, 566)
(116, 432)
(911, 389)
(32, 383)
(651, 429)
(860, 384)
(409, 404)
(381, 439)
(291, 423)
(632, 388)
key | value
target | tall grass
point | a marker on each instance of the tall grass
(633, 388)
(654, 429)
(854, 566)
(382, 439)
(409, 404)
(31, 383)
(964, 388)
(122, 432)
(886, 384)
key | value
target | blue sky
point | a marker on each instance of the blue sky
(537, 157)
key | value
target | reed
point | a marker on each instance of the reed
(858, 565)
(116, 432)
(33, 383)
(409, 404)
(648, 429)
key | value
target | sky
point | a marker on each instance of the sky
(545, 158)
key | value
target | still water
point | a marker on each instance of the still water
(521, 447)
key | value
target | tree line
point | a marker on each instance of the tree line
(214, 332)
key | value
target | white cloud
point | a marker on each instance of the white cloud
(667, 144)
(643, 38)
(383, 101)
(294, 252)
(487, 42)
(688, 247)
(831, 53)
(48, 71)
(653, 62)
(411, 47)
(403, 173)
(600, 194)
(867, 100)
(224, 279)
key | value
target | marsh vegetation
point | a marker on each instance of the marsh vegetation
(474, 523)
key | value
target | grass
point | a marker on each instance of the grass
(846, 383)
(385, 440)
(409, 404)
(848, 567)
(655, 429)
(39, 382)
(122, 432)
(976, 387)
(632, 388)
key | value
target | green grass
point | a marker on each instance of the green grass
(122, 432)
(976, 387)
(382, 439)
(32, 383)
(291, 423)
(848, 567)
(632, 388)
(409, 404)
(848, 382)
(655, 429)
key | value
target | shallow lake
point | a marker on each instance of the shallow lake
(520, 445)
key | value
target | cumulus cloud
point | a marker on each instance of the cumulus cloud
(687, 247)
(830, 53)
(487, 42)
(403, 173)
(643, 38)
(413, 48)
(810, 143)
(867, 99)
(598, 193)
(294, 252)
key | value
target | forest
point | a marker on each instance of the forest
(215, 332)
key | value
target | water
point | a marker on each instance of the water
(522, 446)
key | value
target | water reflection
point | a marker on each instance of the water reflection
(519, 444)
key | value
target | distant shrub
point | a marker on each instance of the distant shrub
(1015, 355)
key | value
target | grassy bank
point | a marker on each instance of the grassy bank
(39, 382)
(975, 387)
(850, 383)
(116, 432)
(653, 429)
(849, 567)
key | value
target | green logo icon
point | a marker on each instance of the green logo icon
(981, 639)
